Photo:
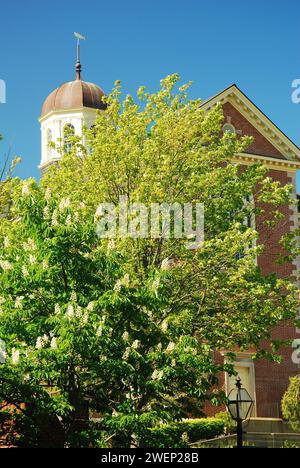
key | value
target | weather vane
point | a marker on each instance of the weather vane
(79, 38)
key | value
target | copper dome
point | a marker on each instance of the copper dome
(74, 95)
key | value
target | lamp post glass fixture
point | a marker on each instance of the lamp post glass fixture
(239, 404)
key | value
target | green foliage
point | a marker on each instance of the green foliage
(291, 403)
(229, 423)
(92, 437)
(180, 434)
(91, 323)
(288, 444)
(79, 329)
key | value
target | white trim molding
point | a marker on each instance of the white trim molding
(257, 118)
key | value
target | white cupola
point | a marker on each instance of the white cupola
(65, 111)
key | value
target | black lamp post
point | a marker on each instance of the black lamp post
(239, 404)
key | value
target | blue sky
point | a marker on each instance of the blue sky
(254, 44)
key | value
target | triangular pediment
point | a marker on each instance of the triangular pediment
(239, 110)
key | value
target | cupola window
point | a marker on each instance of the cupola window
(49, 141)
(69, 132)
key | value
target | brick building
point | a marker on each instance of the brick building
(265, 381)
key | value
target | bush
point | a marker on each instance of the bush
(229, 423)
(291, 403)
(288, 444)
(179, 434)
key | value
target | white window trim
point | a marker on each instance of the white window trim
(244, 360)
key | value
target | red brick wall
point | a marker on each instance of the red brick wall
(260, 144)
(271, 379)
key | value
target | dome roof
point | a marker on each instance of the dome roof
(74, 94)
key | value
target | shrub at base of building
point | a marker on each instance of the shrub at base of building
(291, 403)
(180, 434)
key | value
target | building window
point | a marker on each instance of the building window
(90, 149)
(69, 132)
(228, 127)
(49, 141)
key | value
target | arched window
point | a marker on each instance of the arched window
(228, 127)
(49, 141)
(92, 133)
(69, 132)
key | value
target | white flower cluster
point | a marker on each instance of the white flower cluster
(170, 347)
(157, 375)
(46, 212)
(122, 282)
(15, 356)
(90, 306)
(53, 343)
(118, 286)
(57, 309)
(54, 221)
(32, 259)
(24, 270)
(126, 354)
(164, 326)
(165, 264)
(190, 350)
(42, 341)
(70, 311)
(6, 242)
(45, 264)
(48, 194)
(73, 296)
(68, 220)
(18, 302)
(125, 336)
(85, 318)
(100, 328)
(125, 280)
(5, 265)
(29, 245)
(25, 189)
(136, 344)
(77, 312)
(64, 204)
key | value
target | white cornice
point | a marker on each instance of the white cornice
(271, 163)
(67, 112)
(258, 119)
(48, 163)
